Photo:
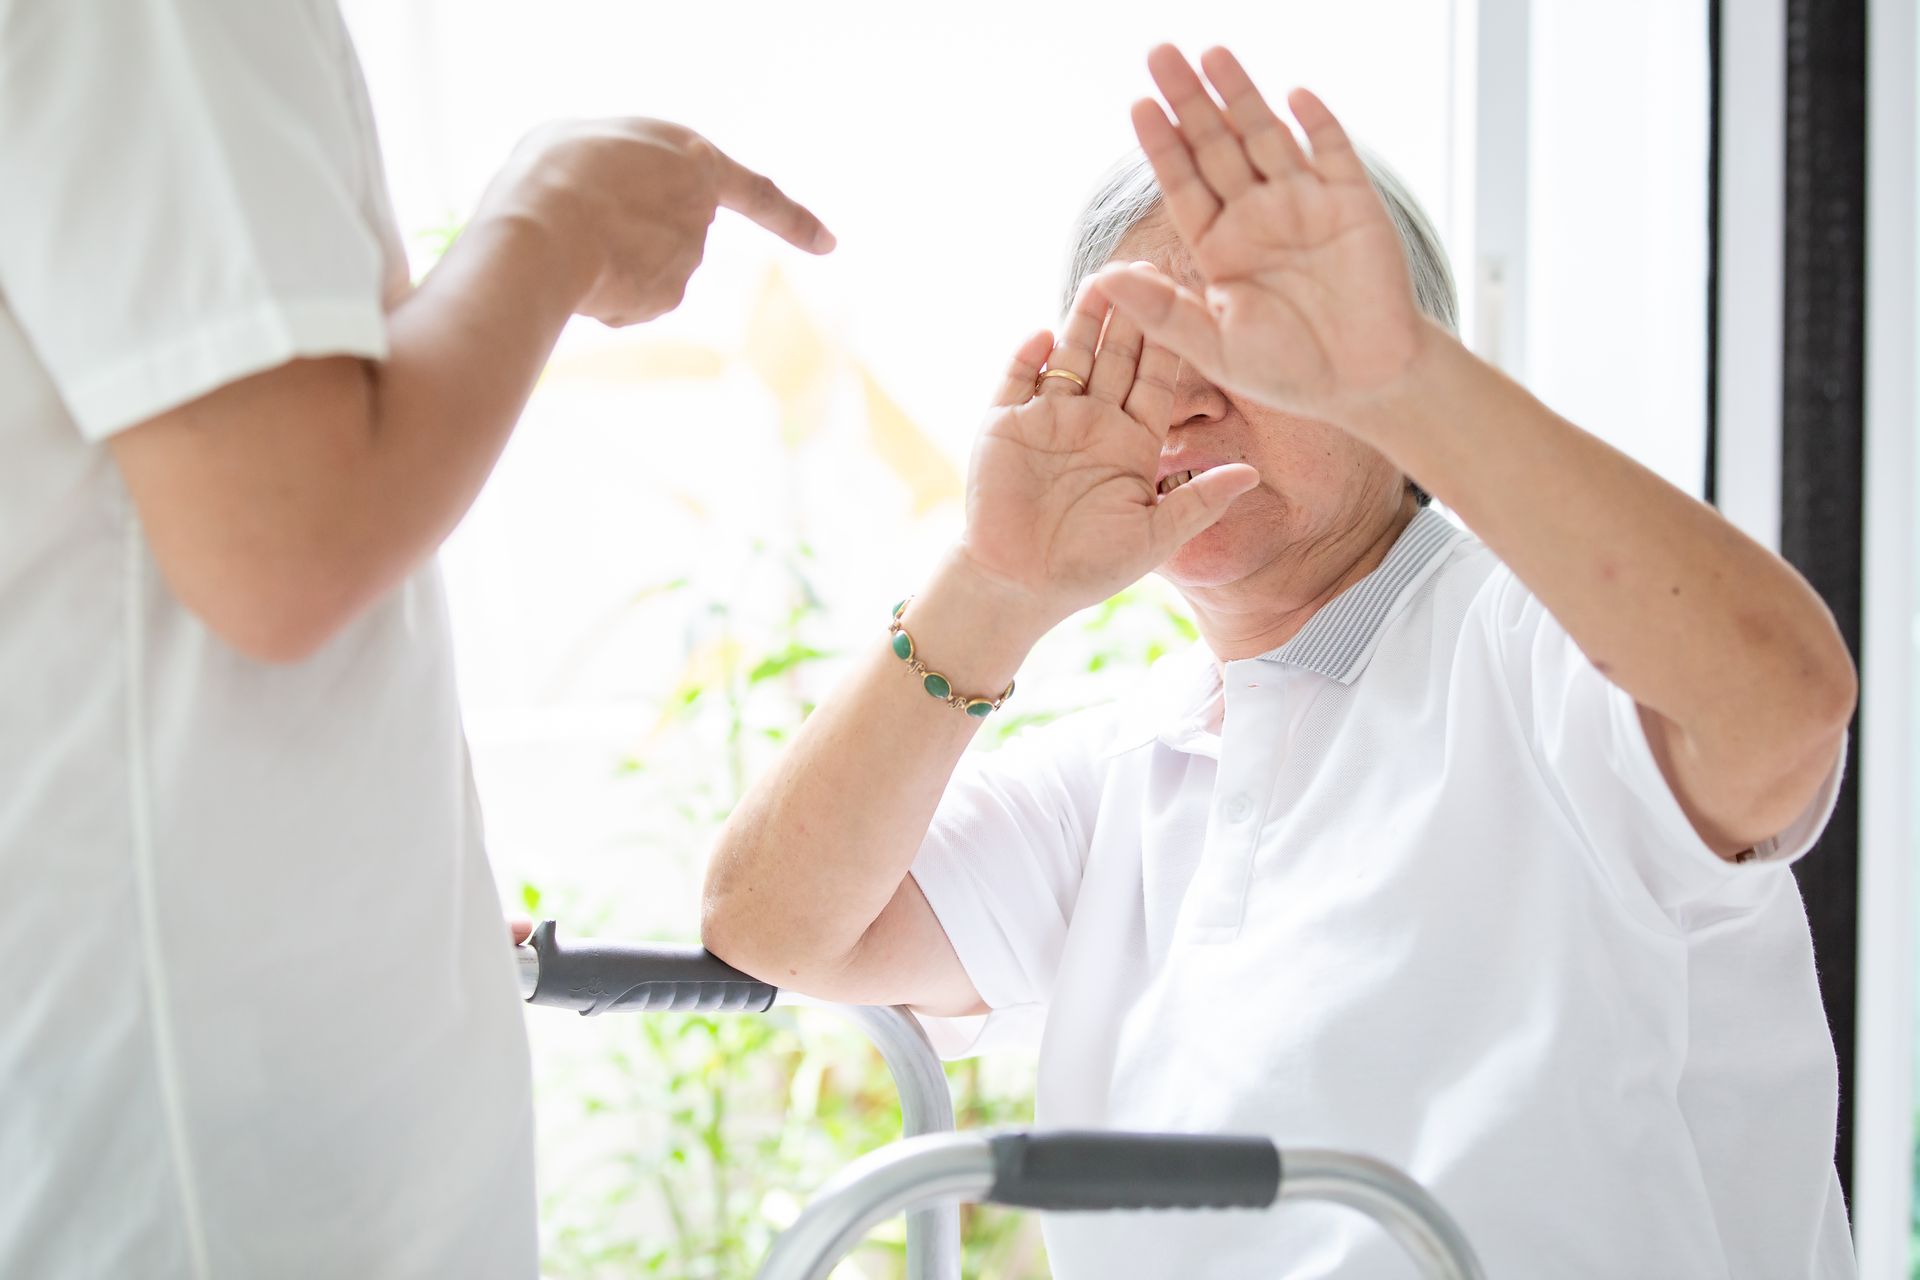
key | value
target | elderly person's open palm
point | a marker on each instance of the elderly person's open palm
(1064, 501)
(1307, 301)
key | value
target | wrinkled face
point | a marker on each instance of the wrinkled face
(1320, 490)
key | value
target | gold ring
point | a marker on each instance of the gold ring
(1068, 374)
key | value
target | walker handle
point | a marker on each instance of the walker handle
(1095, 1170)
(629, 977)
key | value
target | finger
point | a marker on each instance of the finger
(1176, 318)
(1073, 350)
(1150, 401)
(1018, 387)
(1270, 144)
(1333, 153)
(519, 929)
(1190, 202)
(1113, 364)
(1217, 151)
(755, 195)
(1196, 505)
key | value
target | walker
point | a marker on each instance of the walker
(932, 1169)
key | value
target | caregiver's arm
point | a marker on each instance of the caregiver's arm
(280, 506)
(809, 887)
(1744, 683)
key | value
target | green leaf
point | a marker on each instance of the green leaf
(794, 655)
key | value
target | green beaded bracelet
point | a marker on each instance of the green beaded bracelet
(933, 682)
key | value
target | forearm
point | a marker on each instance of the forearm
(1693, 619)
(814, 854)
(466, 349)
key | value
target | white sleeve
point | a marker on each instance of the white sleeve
(185, 189)
(1001, 866)
(1588, 738)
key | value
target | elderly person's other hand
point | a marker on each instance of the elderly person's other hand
(1064, 501)
(1308, 302)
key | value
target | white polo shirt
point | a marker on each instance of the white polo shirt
(260, 1021)
(1410, 885)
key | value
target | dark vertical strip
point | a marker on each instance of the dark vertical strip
(1822, 428)
(1710, 490)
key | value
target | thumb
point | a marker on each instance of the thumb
(1195, 505)
(1176, 318)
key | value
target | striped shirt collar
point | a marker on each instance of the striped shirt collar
(1339, 639)
(1175, 705)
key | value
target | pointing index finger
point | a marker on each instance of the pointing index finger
(755, 195)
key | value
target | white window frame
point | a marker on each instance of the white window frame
(1884, 1069)
(1751, 278)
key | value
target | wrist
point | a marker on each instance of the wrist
(972, 628)
(1377, 414)
(549, 219)
(1009, 608)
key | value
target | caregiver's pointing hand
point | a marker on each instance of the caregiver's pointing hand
(1307, 297)
(631, 201)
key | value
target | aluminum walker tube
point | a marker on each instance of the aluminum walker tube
(594, 977)
(1095, 1171)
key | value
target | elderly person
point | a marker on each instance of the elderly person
(1469, 851)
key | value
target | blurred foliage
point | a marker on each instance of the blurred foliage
(679, 1145)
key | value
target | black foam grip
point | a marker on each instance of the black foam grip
(1091, 1170)
(634, 977)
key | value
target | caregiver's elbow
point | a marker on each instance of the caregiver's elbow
(256, 504)
(277, 625)
(279, 600)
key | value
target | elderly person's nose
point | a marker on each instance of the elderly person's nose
(1195, 400)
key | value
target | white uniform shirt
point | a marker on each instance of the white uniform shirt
(259, 1019)
(1411, 885)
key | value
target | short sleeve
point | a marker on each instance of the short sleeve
(1591, 744)
(1001, 866)
(185, 197)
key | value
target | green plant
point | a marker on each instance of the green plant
(1913, 1251)
(679, 1145)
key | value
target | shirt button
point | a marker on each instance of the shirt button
(1237, 808)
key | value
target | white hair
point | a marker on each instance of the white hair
(1129, 195)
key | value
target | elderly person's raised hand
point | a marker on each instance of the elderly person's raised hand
(1063, 499)
(1307, 301)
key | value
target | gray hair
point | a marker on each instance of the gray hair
(1130, 194)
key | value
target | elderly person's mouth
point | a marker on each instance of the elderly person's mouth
(1177, 469)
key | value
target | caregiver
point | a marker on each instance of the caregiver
(1468, 852)
(260, 1020)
